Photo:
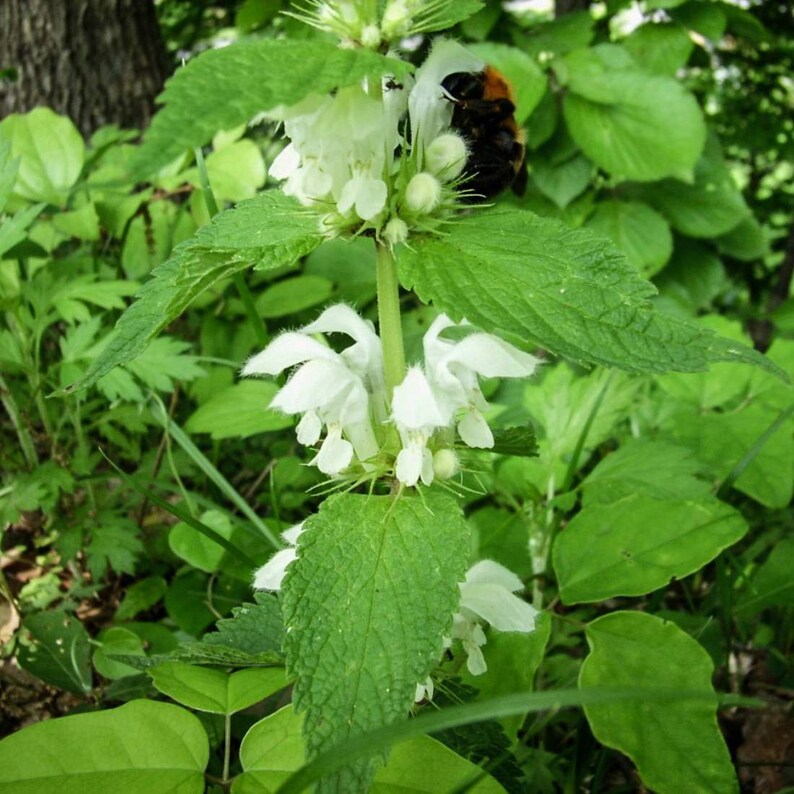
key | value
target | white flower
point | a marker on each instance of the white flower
(340, 391)
(487, 595)
(452, 370)
(424, 690)
(423, 193)
(446, 156)
(271, 574)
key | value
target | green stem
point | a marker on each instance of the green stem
(239, 282)
(227, 746)
(25, 440)
(390, 327)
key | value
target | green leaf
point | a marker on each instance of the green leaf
(222, 88)
(772, 584)
(268, 231)
(677, 746)
(708, 19)
(637, 230)
(117, 641)
(561, 182)
(747, 241)
(518, 441)
(140, 596)
(51, 153)
(638, 544)
(142, 747)
(8, 171)
(188, 596)
(239, 411)
(293, 295)
(273, 749)
(13, 230)
(655, 469)
(693, 278)
(709, 207)
(215, 691)
(82, 223)
(631, 124)
(55, 648)
(513, 273)
(447, 15)
(366, 607)
(563, 34)
(253, 628)
(198, 549)
(524, 75)
(662, 48)
(503, 536)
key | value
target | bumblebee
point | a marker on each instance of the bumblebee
(484, 116)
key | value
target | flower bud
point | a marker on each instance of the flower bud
(446, 156)
(370, 36)
(445, 464)
(423, 193)
(396, 20)
(395, 231)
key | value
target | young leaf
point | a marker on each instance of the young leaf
(142, 747)
(366, 607)
(267, 231)
(513, 273)
(638, 544)
(222, 88)
(677, 746)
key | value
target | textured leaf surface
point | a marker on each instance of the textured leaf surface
(519, 441)
(223, 88)
(142, 747)
(772, 584)
(632, 124)
(638, 544)
(677, 746)
(366, 606)
(253, 628)
(215, 691)
(512, 272)
(267, 231)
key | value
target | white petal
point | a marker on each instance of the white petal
(285, 351)
(371, 198)
(503, 610)
(271, 574)
(424, 691)
(292, 534)
(342, 319)
(309, 429)
(335, 454)
(490, 572)
(286, 163)
(414, 405)
(474, 431)
(492, 357)
(316, 384)
(428, 472)
(476, 661)
(408, 466)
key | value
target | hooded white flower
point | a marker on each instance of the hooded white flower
(271, 574)
(487, 595)
(424, 690)
(338, 391)
(453, 368)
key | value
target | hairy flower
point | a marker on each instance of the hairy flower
(271, 574)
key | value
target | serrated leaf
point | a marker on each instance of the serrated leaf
(514, 273)
(677, 746)
(56, 649)
(518, 441)
(142, 747)
(445, 15)
(253, 628)
(268, 231)
(216, 691)
(220, 655)
(13, 230)
(637, 230)
(51, 153)
(141, 595)
(630, 123)
(366, 607)
(119, 641)
(222, 88)
(639, 544)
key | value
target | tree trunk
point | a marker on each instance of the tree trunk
(96, 61)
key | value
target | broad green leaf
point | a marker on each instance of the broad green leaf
(638, 544)
(747, 241)
(347, 263)
(222, 88)
(709, 207)
(253, 628)
(772, 584)
(563, 34)
(273, 749)
(524, 75)
(142, 747)
(655, 469)
(51, 153)
(197, 549)
(268, 231)
(141, 595)
(708, 19)
(366, 607)
(693, 278)
(239, 411)
(662, 48)
(55, 648)
(8, 171)
(294, 295)
(189, 594)
(236, 171)
(631, 124)
(514, 273)
(114, 641)
(561, 182)
(82, 223)
(637, 230)
(205, 689)
(677, 746)
(502, 535)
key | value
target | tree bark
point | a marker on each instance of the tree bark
(96, 61)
